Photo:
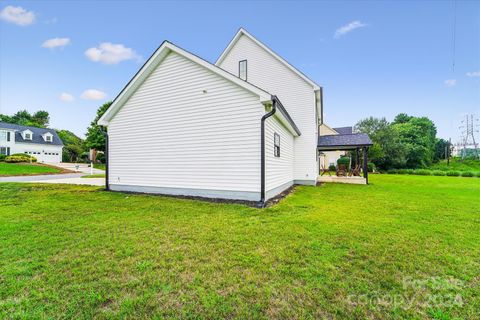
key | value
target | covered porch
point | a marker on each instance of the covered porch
(358, 143)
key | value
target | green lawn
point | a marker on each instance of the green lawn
(100, 166)
(96, 175)
(457, 165)
(17, 169)
(401, 247)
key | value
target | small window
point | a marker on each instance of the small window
(276, 145)
(48, 138)
(8, 135)
(242, 70)
(28, 136)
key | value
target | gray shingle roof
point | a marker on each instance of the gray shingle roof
(344, 141)
(344, 130)
(37, 134)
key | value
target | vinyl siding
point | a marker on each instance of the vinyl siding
(171, 134)
(278, 170)
(298, 97)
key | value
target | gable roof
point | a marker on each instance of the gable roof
(37, 134)
(165, 48)
(270, 51)
(344, 130)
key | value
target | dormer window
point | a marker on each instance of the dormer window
(48, 137)
(242, 70)
(27, 135)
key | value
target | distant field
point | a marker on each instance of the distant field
(457, 165)
(22, 169)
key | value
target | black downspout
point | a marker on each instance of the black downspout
(261, 204)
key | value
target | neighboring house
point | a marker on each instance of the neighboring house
(43, 144)
(243, 128)
(328, 158)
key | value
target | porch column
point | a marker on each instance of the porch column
(365, 161)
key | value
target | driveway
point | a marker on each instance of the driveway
(68, 178)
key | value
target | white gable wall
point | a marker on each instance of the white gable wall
(171, 137)
(278, 170)
(295, 93)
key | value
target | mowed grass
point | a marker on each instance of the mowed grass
(96, 175)
(17, 169)
(401, 247)
(457, 165)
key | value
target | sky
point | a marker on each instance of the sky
(372, 58)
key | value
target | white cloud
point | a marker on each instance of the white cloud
(56, 42)
(67, 97)
(348, 28)
(17, 15)
(110, 53)
(93, 94)
(473, 74)
(450, 82)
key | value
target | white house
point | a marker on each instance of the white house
(43, 144)
(243, 128)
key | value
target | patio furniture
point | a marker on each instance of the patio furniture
(341, 170)
(324, 170)
(355, 171)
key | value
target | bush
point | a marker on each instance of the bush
(371, 167)
(422, 172)
(468, 174)
(344, 160)
(392, 171)
(332, 167)
(453, 173)
(403, 171)
(2, 157)
(15, 159)
(438, 173)
(409, 171)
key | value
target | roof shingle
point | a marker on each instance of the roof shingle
(344, 141)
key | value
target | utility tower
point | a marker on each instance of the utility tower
(468, 129)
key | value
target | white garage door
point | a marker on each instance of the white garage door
(49, 157)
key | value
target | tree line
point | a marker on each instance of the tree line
(407, 142)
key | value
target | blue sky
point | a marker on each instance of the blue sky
(372, 58)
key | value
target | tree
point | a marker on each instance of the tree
(387, 150)
(401, 118)
(419, 136)
(442, 150)
(73, 145)
(39, 119)
(95, 137)
(42, 118)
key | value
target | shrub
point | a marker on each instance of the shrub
(371, 167)
(2, 157)
(453, 173)
(468, 174)
(422, 172)
(332, 167)
(402, 171)
(25, 156)
(344, 160)
(478, 174)
(392, 171)
(438, 173)
(409, 171)
(15, 159)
